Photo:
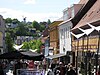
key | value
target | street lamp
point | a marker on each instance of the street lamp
(76, 52)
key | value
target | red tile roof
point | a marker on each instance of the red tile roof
(83, 1)
(91, 16)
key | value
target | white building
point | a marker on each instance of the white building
(65, 27)
(65, 37)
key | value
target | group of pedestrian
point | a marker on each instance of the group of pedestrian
(62, 69)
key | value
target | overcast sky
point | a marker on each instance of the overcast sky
(39, 10)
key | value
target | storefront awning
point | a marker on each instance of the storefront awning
(55, 56)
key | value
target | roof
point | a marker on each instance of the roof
(83, 1)
(55, 56)
(55, 23)
(65, 21)
(91, 16)
(45, 32)
(85, 8)
(60, 19)
(22, 55)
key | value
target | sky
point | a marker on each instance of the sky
(39, 10)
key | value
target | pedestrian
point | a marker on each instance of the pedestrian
(71, 71)
(53, 65)
(17, 66)
(1, 69)
(98, 73)
(61, 69)
(31, 64)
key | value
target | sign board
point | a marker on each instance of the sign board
(30, 72)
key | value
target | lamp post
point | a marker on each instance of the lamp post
(76, 52)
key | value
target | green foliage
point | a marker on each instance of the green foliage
(15, 21)
(48, 22)
(38, 45)
(8, 20)
(9, 42)
(36, 25)
(42, 27)
(34, 44)
(21, 30)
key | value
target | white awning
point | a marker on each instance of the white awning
(55, 56)
(17, 47)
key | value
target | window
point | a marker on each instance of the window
(62, 33)
(65, 15)
(72, 12)
(66, 33)
(69, 31)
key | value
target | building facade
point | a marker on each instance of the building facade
(20, 39)
(88, 46)
(65, 27)
(45, 41)
(54, 37)
(2, 35)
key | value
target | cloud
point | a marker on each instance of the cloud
(5, 12)
(29, 1)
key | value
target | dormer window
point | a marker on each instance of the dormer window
(72, 12)
(65, 14)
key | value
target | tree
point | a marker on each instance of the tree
(26, 46)
(15, 21)
(38, 45)
(11, 32)
(36, 25)
(21, 30)
(9, 42)
(8, 20)
(42, 27)
(48, 22)
(34, 44)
